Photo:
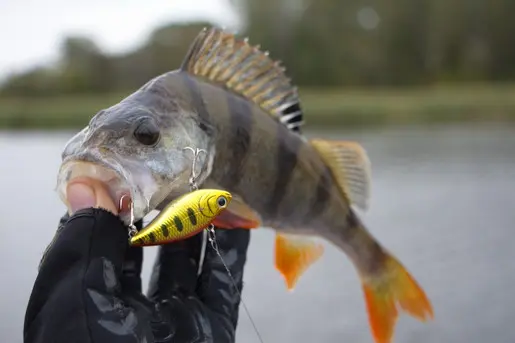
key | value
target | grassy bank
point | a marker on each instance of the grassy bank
(323, 108)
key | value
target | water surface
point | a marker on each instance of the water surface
(442, 202)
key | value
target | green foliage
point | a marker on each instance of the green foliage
(421, 42)
(342, 108)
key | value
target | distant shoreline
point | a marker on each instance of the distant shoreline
(323, 108)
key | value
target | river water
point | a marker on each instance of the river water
(443, 201)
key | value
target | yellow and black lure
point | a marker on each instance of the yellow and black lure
(183, 218)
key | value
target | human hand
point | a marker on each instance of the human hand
(183, 305)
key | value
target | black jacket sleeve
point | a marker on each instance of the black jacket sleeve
(88, 288)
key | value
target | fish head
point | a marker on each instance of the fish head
(141, 149)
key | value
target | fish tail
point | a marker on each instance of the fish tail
(393, 288)
(388, 287)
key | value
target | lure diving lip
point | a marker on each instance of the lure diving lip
(183, 218)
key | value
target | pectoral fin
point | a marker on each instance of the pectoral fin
(238, 215)
(294, 255)
(350, 166)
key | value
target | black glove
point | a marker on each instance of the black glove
(89, 287)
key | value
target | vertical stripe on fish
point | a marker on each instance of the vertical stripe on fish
(287, 150)
(241, 128)
(322, 196)
(198, 103)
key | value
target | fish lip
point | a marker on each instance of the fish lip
(105, 169)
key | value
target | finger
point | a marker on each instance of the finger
(103, 198)
(85, 192)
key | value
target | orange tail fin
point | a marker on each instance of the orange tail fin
(393, 288)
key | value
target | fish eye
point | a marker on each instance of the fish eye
(147, 132)
(222, 201)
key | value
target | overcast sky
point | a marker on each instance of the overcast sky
(31, 30)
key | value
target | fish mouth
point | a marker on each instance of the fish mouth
(128, 184)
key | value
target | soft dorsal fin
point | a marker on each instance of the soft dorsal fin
(350, 166)
(247, 71)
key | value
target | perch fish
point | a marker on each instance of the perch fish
(232, 100)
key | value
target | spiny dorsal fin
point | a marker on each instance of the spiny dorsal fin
(224, 59)
(350, 167)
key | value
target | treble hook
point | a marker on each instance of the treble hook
(193, 178)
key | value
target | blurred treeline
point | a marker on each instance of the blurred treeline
(323, 43)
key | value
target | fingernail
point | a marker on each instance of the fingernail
(80, 196)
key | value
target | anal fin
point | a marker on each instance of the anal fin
(294, 255)
(350, 166)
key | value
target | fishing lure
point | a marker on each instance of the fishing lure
(184, 217)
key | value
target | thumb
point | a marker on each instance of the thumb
(89, 193)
